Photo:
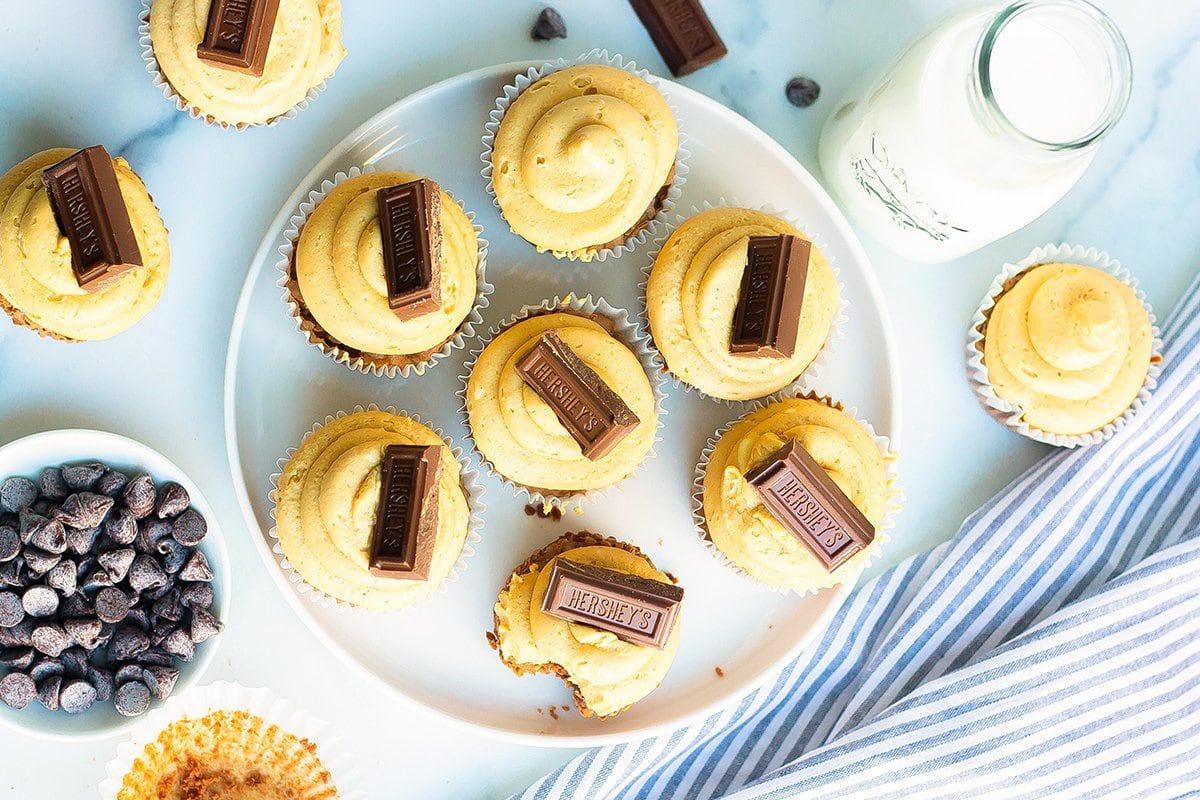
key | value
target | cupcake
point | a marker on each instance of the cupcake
(1064, 350)
(694, 290)
(285, 54)
(340, 509)
(840, 512)
(338, 281)
(583, 159)
(54, 277)
(607, 668)
(227, 754)
(560, 431)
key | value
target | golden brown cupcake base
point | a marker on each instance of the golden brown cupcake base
(21, 320)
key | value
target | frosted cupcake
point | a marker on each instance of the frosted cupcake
(607, 673)
(583, 159)
(245, 68)
(50, 285)
(693, 292)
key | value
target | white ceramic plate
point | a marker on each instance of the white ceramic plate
(28, 456)
(434, 657)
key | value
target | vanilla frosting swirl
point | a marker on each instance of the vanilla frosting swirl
(580, 156)
(36, 276)
(306, 48)
(340, 272)
(1070, 346)
(326, 502)
(608, 673)
(519, 433)
(693, 292)
(747, 533)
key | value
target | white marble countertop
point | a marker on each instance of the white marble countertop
(71, 73)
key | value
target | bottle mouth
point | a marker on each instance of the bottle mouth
(1081, 26)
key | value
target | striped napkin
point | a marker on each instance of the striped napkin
(1051, 649)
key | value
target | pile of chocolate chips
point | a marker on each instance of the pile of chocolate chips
(102, 588)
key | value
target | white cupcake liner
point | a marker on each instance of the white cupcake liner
(595, 56)
(1011, 415)
(168, 91)
(627, 330)
(363, 363)
(836, 329)
(469, 479)
(891, 466)
(222, 695)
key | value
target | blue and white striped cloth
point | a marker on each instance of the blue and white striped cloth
(1051, 649)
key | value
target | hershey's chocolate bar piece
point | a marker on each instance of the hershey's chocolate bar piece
(588, 408)
(801, 495)
(238, 34)
(636, 609)
(766, 320)
(682, 32)
(91, 214)
(410, 220)
(406, 522)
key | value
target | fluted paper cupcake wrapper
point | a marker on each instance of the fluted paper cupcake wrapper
(630, 332)
(222, 695)
(836, 329)
(522, 81)
(1011, 415)
(891, 462)
(363, 362)
(469, 478)
(163, 84)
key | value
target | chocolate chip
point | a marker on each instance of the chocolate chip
(98, 579)
(112, 604)
(803, 92)
(19, 635)
(61, 578)
(29, 521)
(16, 657)
(17, 690)
(53, 485)
(174, 555)
(78, 696)
(549, 25)
(172, 500)
(47, 692)
(83, 632)
(162, 681)
(145, 573)
(12, 610)
(189, 528)
(121, 526)
(39, 561)
(154, 594)
(138, 617)
(161, 629)
(132, 698)
(77, 605)
(179, 643)
(196, 568)
(170, 606)
(156, 657)
(102, 681)
(150, 533)
(14, 573)
(196, 595)
(75, 661)
(117, 562)
(84, 510)
(128, 642)
(204, 625)
(139, 495)
(129, 672)
(17, 493)
(49, 536)
(81, 541)
(111, 483)
(40, 601)
(44, 668)
(50, 639)
(83, 476)
(10, 543)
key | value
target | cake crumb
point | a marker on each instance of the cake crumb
(566, 708)
(720, 672)
(660, 541)
(492, 641)
(543, 511)
(540, 711)
(553, 713)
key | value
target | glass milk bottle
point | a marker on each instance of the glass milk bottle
(979, 127)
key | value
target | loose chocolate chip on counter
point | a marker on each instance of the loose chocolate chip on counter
(83, 632)
(10, 543)
(82, 477)
(40, 601)
(139, 495)
(549, 25)
(145, 573)
(128, 642)
(121, 526)
(12, 610)
(189, 528)
(17, 493)
(17, 657)
(172, 500)
(82, 541)
(132, 698)
(117, 562)
(179, 643)
(111, 483)
(53, 485)
(196, 595)
(39, 562)
(174, 555)
(196, 568)
(803, 92)
(50, 639)
(78, 696)
(84, 510)
(48, 690)
(112, 604)
(17, 690)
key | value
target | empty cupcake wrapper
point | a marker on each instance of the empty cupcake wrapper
(894, 503)
(522, 81)
(630, 332)
(168, 91)
(470, 484)
(836, 329)
(222, 695)
(362, 362)
(1011, 415)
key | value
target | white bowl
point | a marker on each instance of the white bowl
(29, 456)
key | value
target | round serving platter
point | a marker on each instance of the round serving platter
(435, 657)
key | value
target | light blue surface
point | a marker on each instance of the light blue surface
(1140, 201)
